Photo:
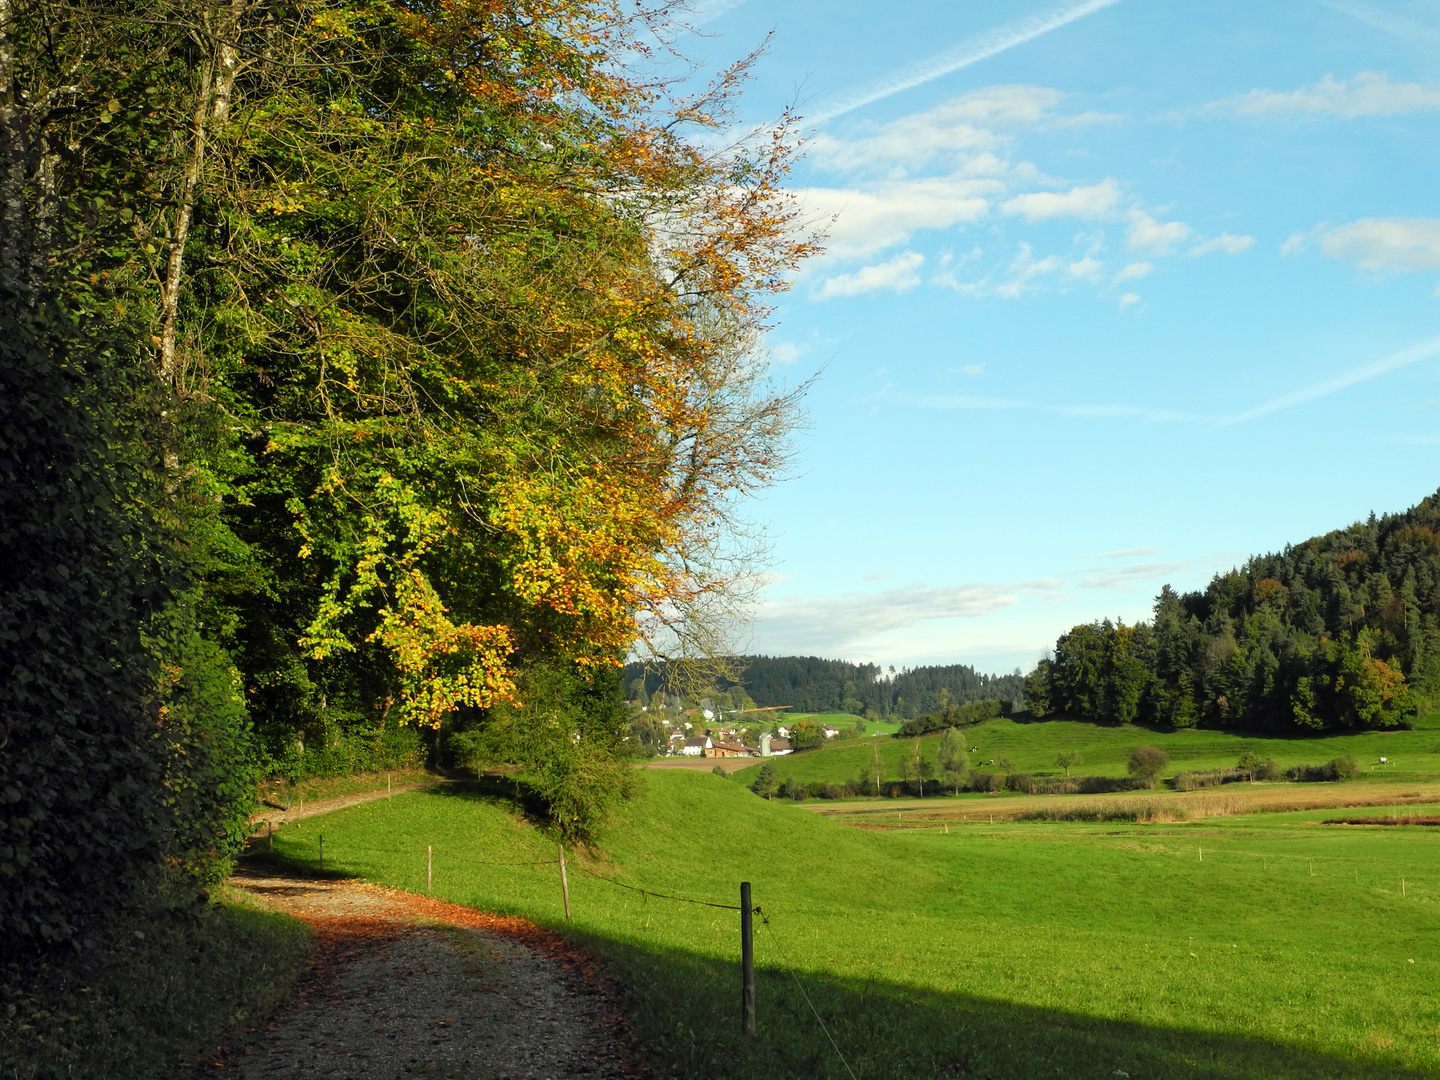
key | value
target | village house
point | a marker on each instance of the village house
(731, 749)
(698, 746)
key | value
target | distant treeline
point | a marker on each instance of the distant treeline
(811, 684)
(1340, 631)
(974, 712)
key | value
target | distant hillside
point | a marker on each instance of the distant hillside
(1341, 630)
(812, 684)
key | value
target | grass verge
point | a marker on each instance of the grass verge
(1242, 948)
(159, 988)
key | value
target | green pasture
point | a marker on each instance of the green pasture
(1246, 947)
(1032, 746)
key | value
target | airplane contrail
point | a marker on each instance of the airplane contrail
(1396, 360)
(970, 51)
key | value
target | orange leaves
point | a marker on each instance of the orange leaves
(442, 665)
(588, 550)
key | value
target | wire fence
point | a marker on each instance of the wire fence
(646, 894)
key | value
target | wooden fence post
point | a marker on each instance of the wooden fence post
(564, 881)
(747, 962)
(429, 864)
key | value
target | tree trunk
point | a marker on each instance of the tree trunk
(212, 107)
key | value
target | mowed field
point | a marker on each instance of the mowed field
(1241, 945)
(1032, 745)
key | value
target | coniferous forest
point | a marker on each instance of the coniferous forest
(812, 684)
(1339, 631)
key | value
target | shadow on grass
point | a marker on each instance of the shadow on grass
(686, 1016)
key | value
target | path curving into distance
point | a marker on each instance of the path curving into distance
(404, 985)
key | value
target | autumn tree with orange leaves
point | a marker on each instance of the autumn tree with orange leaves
(455, 325)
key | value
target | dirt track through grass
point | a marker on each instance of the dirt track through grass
(405, 986)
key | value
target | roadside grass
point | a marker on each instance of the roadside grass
(277, 793)
(1244, 947)
(1032, 745)
(156, 989)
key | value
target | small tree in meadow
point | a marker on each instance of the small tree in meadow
(1067, 759)
(1148, 762)
(766, 781)
(954, 762)
(875, 771)
(1249, 762)
(913, 766)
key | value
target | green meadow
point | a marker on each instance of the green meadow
(1258, 946)
(1032, 745)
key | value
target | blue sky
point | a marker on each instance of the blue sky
(1118, 292)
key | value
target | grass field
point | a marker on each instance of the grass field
(1257, 946)
(1031, 745)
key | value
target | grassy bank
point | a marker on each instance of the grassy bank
(155, 989)
(1027, 949)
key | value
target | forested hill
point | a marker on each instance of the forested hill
(1342, 630)
(812, 684)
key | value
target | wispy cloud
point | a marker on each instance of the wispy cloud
(1147, 234)
(967, 127)
(1099, 411)
(1135, 271)
(1388, 21)
(895, 275)
(1226, 242)
(1095, 201)
(1386, 243)
(882, 215)
(970, 51)
(1124, 553)
(1394, 362)
(1127, 576)
(704, 13)
(832, 624)
(1369, 93)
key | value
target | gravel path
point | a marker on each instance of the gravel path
(407, 986)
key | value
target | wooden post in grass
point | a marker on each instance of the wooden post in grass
(270, 835)
(747, 962)
(429, 866)
(564, 881)
(388, 793)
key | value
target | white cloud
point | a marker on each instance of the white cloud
(787, 352)
(1160, 237)
(1226, 242)
(1124, 553)
(970, 51)
(1386, 243)
(897, 275)
(832, 624)
(961, 128)
(1134, 271)
(973, 370)
(1127, 576)
(1087, 269)
(1017, 277)
(1368, 94)
(1129, 298)
(888, 214)
(1096, 201)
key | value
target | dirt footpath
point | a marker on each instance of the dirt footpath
(403, 985)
